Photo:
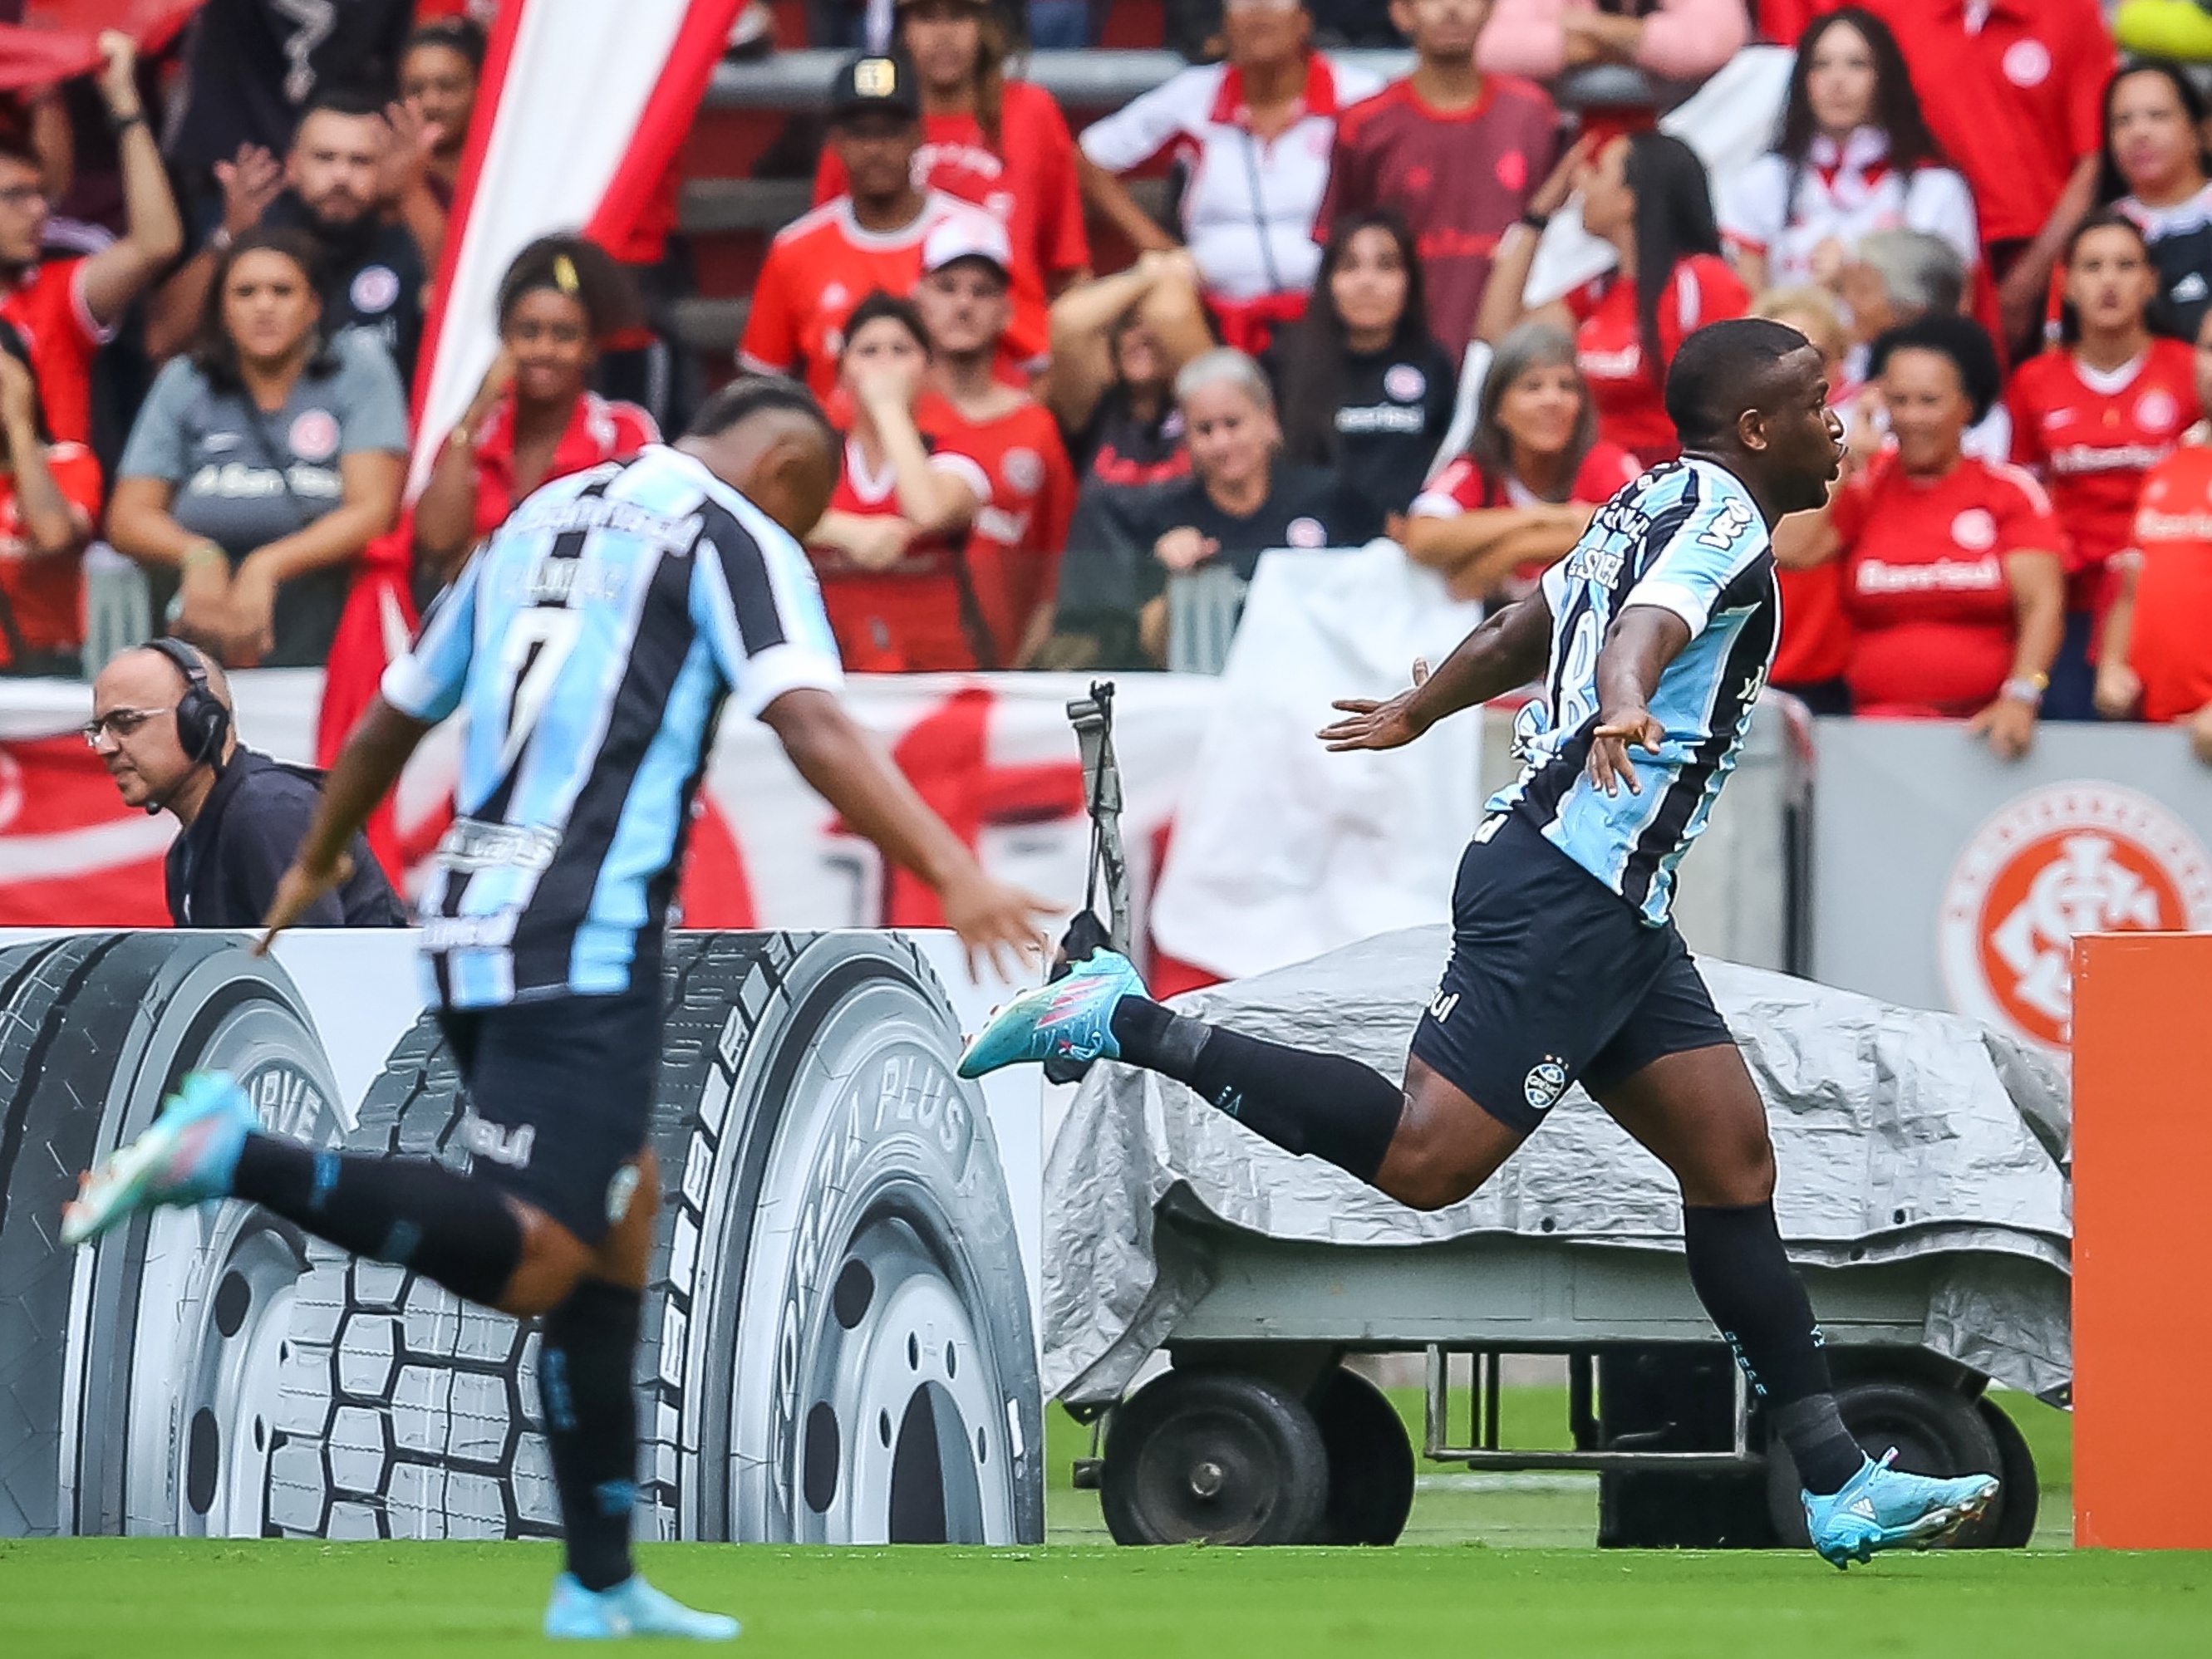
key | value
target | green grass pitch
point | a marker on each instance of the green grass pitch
(1490, 1567)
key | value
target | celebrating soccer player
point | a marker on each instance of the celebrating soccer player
(1654, 634)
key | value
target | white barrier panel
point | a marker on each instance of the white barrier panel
(1944, 878)
(839, 1330)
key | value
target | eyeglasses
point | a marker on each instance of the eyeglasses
(118, 723)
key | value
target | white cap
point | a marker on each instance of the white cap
(976, 235)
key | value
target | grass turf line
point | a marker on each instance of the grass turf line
(64, 1598)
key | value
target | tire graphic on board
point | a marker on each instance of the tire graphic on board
(834, 1212)
(145, 1388)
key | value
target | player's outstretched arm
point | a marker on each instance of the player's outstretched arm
(368, 767)
(848, 769)
(1509, 649)
(1642, 639)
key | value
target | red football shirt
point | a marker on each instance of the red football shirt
(1459, 179)
(600, 429)
(919, 613)
(49, 311)
(823, 264)
(2171, 643)
(1028, 178)
(2091, 439)
(2015, 102)
(1632, 410)
(47, 594)
(1464, 487)
(1924, 582)
(1013, 551)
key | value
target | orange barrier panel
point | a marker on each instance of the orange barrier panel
(2142, 1241)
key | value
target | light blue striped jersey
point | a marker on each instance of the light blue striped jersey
(1686, 536)
(590, 646)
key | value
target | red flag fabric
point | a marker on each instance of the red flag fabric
(59, 39)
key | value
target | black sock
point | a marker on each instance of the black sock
(1743, 1276)
(1321, 1105)
(585, 1379)
(445, 1226)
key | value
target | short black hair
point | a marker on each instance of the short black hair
(1962, 340)
(877, 305)
(583, 270)
(462, 35)
(354, 101)
(757, 394)
(1719, 371)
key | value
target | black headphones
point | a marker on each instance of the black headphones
(203, 723)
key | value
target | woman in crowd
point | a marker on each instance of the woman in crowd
(535, 417)
(49, 501)
(1256, 133)
(1646, 194)
(438, 77)
(1363, 387)
(1854, 155)
(1674, 40)
(2091, 417)
(1534, 473)
(261, 463)
(1001, 144)
(891, 551)
(1117, 344)
(2156, 657)
(1952, 575)
(1815, 648)
(2157, 174)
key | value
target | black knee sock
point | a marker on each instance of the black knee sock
(1743, 1276)
(1322, 1105)
(585, 1379)
(445, 1226)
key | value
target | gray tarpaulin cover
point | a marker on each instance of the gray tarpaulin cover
(1898, 1132)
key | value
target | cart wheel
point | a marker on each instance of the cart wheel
(1935, 1431)
(1215, 1457)
(2020, 1495)
(1370, 1462)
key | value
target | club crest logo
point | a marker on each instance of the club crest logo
(1975, 530)
(2027, 63)
(1405, 383)
(1545, 1082)
(2066, 858)
(374, 287)
(1305, 533)
(314, 434)
(2156, 411)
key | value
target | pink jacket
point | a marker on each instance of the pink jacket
(1683, 40)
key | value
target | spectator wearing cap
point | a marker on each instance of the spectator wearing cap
(1672, 40)
(1254, 135)
(1013, 550)
(891, 552)
(534, 416)
(342, 175)
(1453, 152)
(1952, 573)
(2013, 90)
(64, 310)
(1001, 144)
(2157, 660)
(821, 265)
(49, 501)
(262, 464)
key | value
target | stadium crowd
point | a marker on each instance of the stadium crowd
(1997, 230)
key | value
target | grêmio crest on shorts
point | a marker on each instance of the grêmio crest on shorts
(1686, 536)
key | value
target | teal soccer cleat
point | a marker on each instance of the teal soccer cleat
(1880, 1508)
(187, 1156)
(1071, 1018)
(632, 1607)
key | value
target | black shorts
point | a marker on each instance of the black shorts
(1554, 978)
(560, 1095)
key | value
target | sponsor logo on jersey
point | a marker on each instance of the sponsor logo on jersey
(1975, 530)
(1442, 1004)
(1305, 532)
(314, 434)
(374, 287)
(1382, 418)
(2027, 63)
(1405, 382)
(2117, 458)
(2065, 859)
(1545, 1082)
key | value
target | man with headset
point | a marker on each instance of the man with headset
(162, 724)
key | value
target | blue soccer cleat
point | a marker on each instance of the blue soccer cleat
(1880, 1508)
(632, 1607)
(187, 1156)
(1071, 1018)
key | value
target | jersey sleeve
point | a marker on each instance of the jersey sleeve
(1939, 202)
(2026, 430)
(427, 683)
(755, 600)
(1458, 488)
(770, 342)
(1064, 241)
(1699, 548)
(1752, 212)
(2027, 522)
(964, 467)
(157, 446)
(76, 471)
(1605, 471)
(1704, 290)
(1142, 128)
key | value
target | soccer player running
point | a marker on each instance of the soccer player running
(592, 646)
(1654, 634)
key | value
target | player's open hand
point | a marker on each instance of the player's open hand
(1368, 724)
(298, 892)
(998, 924)
(1610, 765)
